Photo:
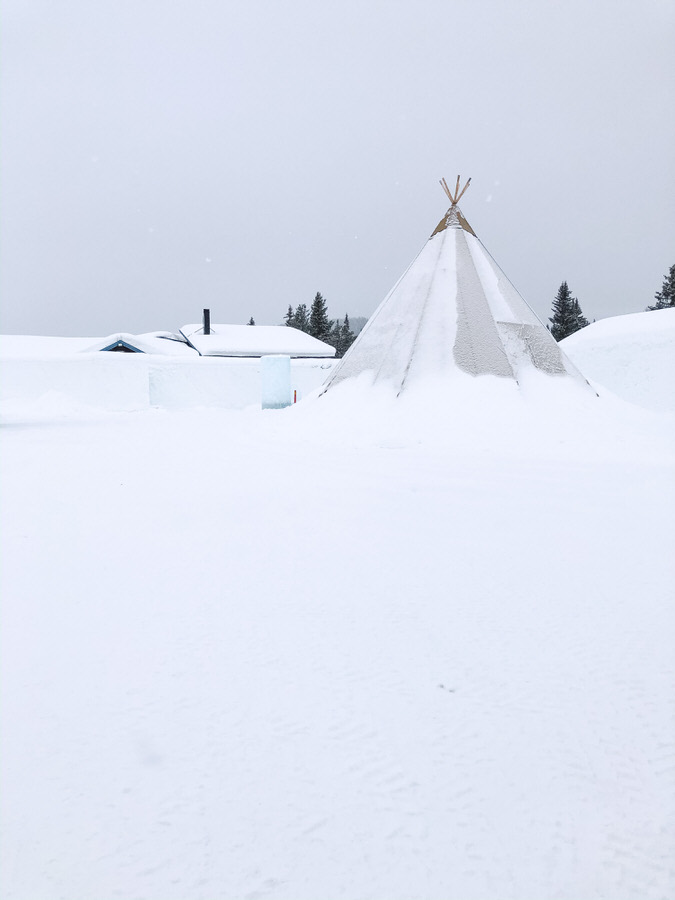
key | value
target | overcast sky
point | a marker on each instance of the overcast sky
(160, 156)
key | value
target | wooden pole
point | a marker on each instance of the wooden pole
(463, 189)
(457, 196)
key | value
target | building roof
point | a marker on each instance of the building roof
(255, 340)
(164, 343)
(37, 346)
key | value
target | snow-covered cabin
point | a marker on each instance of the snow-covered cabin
(255, 340)
(165, 343)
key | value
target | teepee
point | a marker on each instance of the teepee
(452, 311)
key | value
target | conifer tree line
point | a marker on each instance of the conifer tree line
(666, 296)
(567, 315)
(315, 321)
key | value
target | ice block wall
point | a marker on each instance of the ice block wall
(275, 374)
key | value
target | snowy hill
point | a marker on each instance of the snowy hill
(633, 356)
(359, 648)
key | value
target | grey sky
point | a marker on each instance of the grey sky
(159, 156)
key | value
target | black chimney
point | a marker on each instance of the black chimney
(207, 321)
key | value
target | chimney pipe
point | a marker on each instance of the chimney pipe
(207, 321)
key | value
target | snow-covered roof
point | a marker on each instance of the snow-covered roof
(165, 343)
(38, 346)
(255, 340)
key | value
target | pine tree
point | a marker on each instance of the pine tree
(319, 323)
(301, 318)
(340, 336)
(567, 316)
(347, 335)
(251, 321)
(289, 318)
(582, 321)
(666, 296)
(335, 338)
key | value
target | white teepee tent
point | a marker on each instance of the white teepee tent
(452, 311)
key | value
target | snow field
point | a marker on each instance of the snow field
(124, 382)
(357, 648)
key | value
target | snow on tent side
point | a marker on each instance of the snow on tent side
(255, 340)
(633, 356)
(452, 313)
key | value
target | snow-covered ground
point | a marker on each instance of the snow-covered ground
(359, 648)
(63, 383)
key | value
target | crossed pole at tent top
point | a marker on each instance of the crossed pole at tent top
(457, 196)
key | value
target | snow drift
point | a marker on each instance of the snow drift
(633, 356)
